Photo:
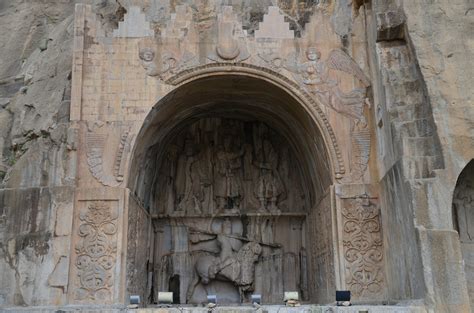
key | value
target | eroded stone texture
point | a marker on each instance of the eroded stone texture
(419, 169)
(35, 229)
(209, 147)
(231, 203)
(463, 219)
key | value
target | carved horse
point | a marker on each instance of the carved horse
(238, 269)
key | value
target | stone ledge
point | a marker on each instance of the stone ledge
(228, 309)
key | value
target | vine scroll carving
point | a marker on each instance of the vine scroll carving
(362, 246)
(96, 251)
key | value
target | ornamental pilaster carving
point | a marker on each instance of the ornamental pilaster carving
(96, 251)
(362, 247)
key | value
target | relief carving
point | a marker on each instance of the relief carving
(228, 189)
(235, 262)
(96, 252)
(360, 144)
(362, 246)
(173, 53)
(463, 206)
(224, 166)
(230, 201)
(120, 160)
(268, 73)
(272, 60)
(314, 73)
(164, 61)
(230, 39)
(269, 185)
(99, 145)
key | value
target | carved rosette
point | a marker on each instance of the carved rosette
(96, 252)
(362, 247)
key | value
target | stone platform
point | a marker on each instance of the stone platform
(229, 309)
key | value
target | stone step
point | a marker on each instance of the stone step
(230, 309)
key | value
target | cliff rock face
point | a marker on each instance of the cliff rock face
(414, 134)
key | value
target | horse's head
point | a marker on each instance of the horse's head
(256, 250)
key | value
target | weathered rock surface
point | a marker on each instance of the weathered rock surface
(401, 151)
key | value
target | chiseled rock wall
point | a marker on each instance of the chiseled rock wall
(441, 35)
(424, 119)
(35, 227)
(423, 76)
(34, 245)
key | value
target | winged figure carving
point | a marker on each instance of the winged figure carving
(314, 73)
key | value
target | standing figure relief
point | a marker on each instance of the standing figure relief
(193, 195)
(220, 169)
(228, 189)
(269, 185)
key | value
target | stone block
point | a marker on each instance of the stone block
(418, 167)
(274, 26)
(419, 146)
(134, 25)
(390, 25)
(443, 268)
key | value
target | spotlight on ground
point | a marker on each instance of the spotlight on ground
(135, 300)
(211, 300)
(291, 298)
(165, 297)
(343, 297)
(256, 299)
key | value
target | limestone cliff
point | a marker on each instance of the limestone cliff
(418, 55)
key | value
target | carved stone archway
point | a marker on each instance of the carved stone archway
(246, 97)
(308, 102)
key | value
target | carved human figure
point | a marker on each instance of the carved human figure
(463, 202)
(164, 196)
(164, 62)
(227, 187)
(235, 263)
(201, 174)
(192, 197)
(313, 71)
(269, 185)
(148, 60)
(315, 74)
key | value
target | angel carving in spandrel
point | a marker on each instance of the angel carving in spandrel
(314, 73)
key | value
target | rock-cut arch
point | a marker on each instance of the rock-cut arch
(463, 220)
(309, 103)
(235, 102)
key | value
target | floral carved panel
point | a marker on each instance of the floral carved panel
(96, 251)
(362, 247)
